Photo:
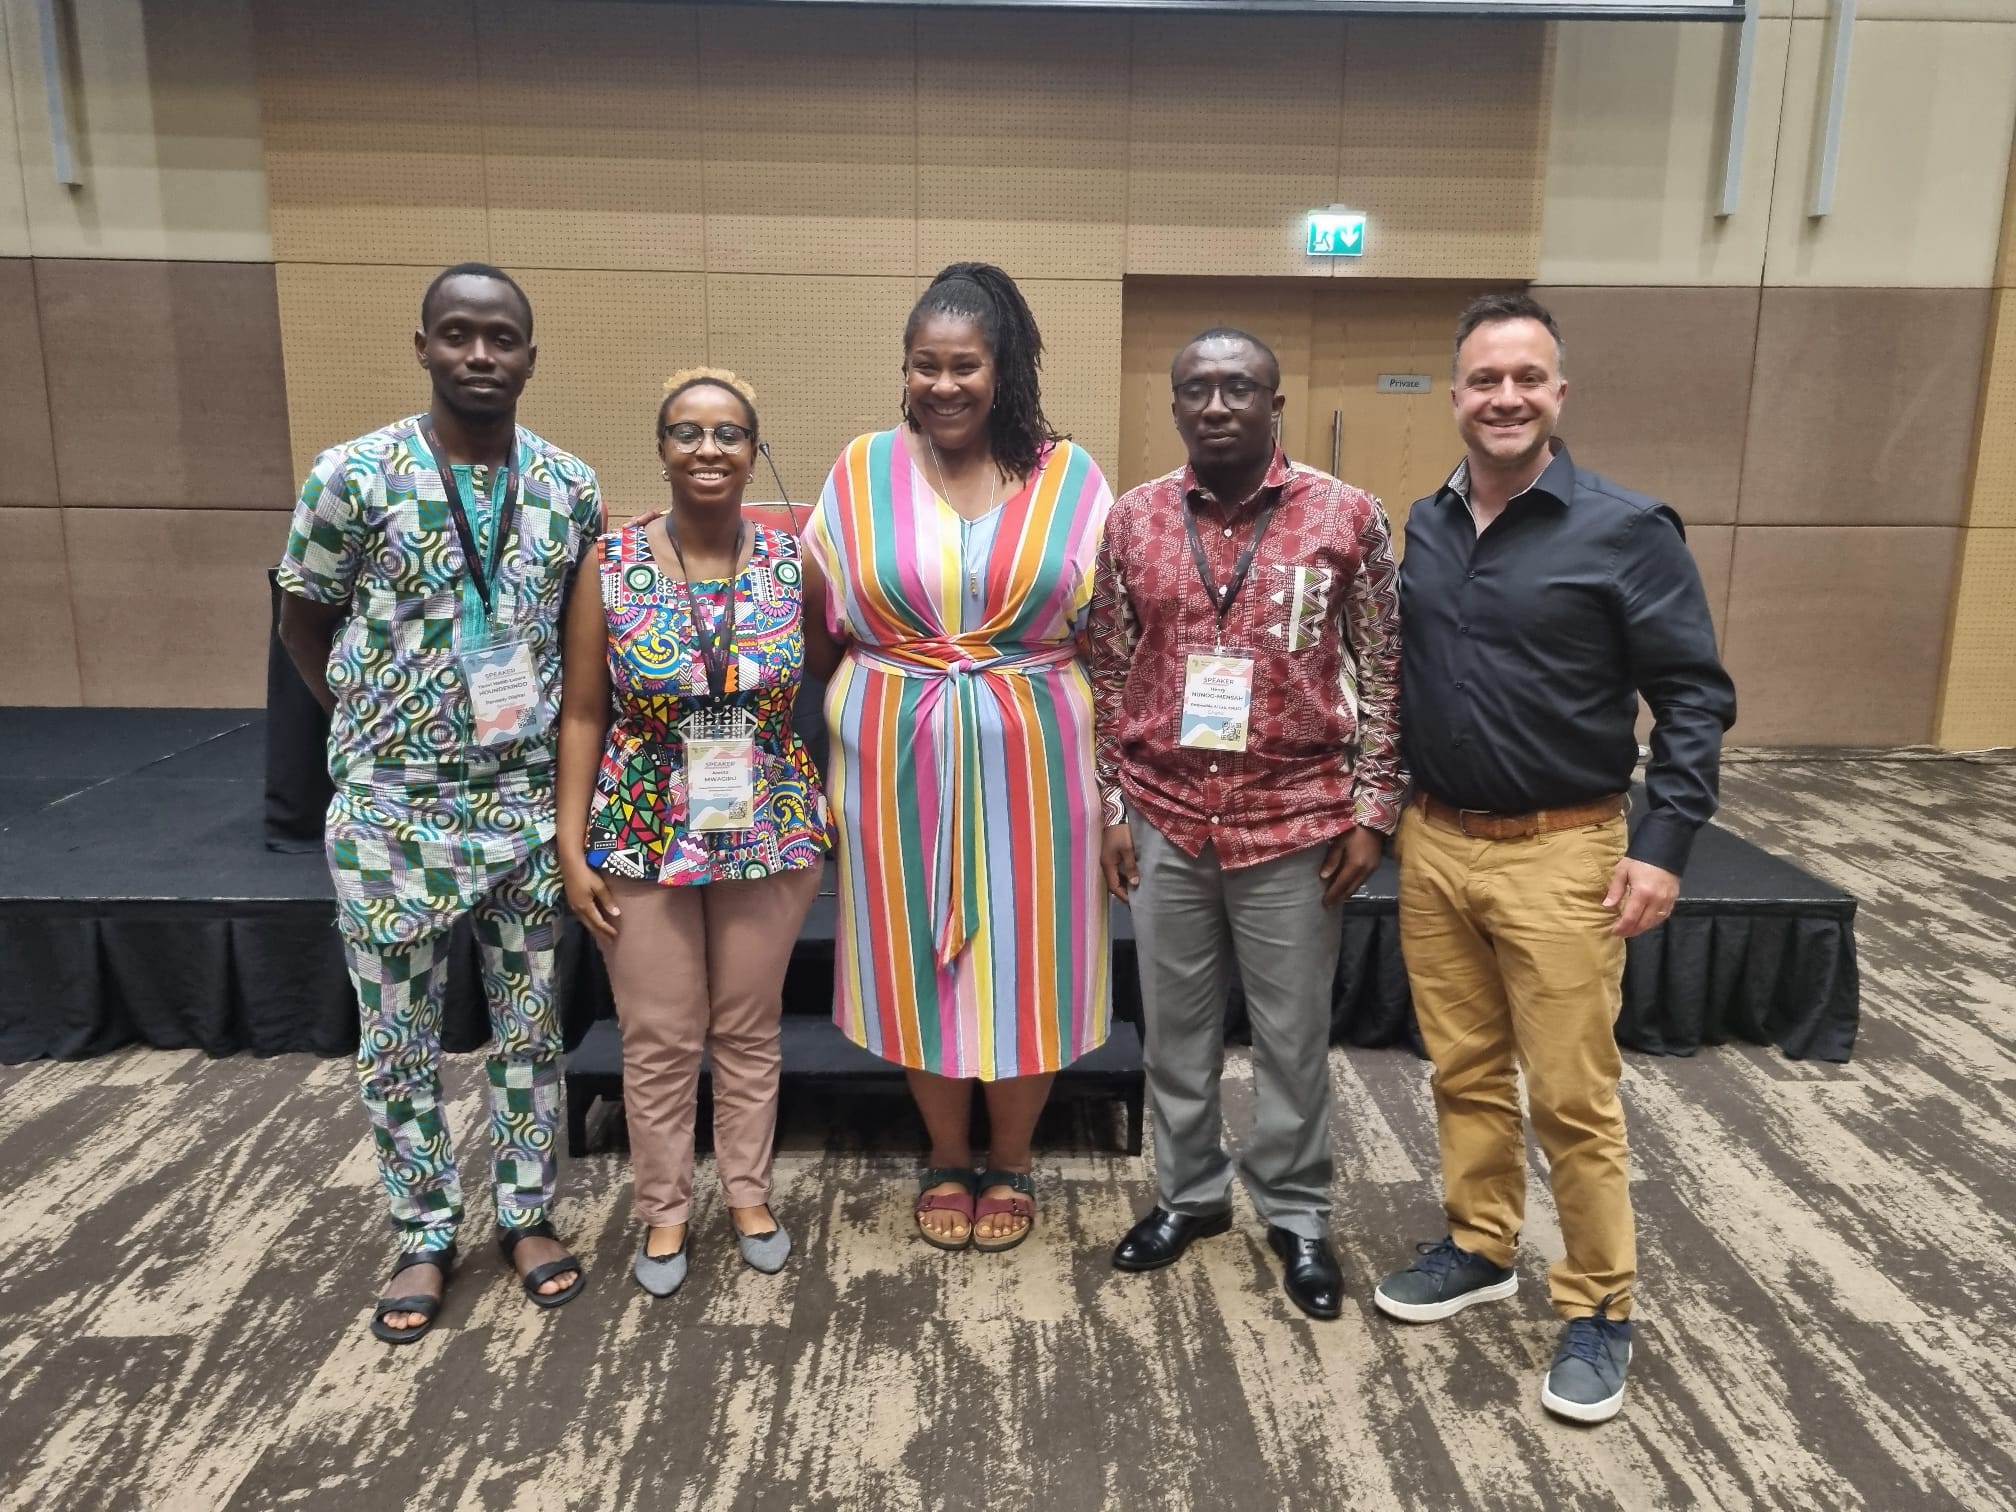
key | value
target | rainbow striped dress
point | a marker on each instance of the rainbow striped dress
(972, 937)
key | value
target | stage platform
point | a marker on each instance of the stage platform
(139, 903)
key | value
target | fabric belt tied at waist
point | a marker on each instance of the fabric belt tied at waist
(960, 846)
(1478, 824)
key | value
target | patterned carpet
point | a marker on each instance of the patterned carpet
(188, 1249)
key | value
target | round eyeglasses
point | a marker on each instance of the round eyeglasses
(1238, 393)
(686, 435)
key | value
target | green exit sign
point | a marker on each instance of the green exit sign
(1336, 232)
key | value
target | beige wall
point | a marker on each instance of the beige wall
(269, 186)
(1805, 388)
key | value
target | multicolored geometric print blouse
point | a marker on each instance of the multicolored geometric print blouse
(637, 821)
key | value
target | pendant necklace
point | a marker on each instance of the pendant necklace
(945, 491)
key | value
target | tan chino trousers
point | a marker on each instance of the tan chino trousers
(1512, 964)
(696, 968)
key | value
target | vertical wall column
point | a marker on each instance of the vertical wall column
(1977, 705)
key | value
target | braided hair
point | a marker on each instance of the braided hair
(1017, 430)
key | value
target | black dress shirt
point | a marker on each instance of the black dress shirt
(1524, 650)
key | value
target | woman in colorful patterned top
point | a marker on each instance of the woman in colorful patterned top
(692, 840)
(972, 938)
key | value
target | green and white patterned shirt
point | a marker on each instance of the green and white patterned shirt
(424, 821)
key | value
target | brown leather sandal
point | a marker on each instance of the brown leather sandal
(1021, 1205)
(946, 1202)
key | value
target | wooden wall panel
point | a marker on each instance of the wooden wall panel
(825, 355)
(1672, 427)
(177, 606)
(1979, 698)
(1235, 132)
(1836, 634)
(1022, 161)
(166, 384)
(810, 120)
(1444, 146)
(1924, 153)
(36, 627)
(373, 118)
(29, 476)
(1863, 406)
(348, 336)
(607, 342)
(1081, 324)
(1992, 497)
(167, 133)
(591, 134)
(1635, 153)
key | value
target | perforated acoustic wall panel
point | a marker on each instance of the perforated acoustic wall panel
(1992, 499)
(810, 125)
(1979, 705)
(372, 114)
(1235, 134)
(591, 134)
(1022, 142)
(1081, 325)
(1444, 146)
(347, 331)
(825, 355)
(607, 343)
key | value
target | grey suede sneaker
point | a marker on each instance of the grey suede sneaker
(765, 1252)
(1585, 1384)
(661, 1275)
(1444, 1281)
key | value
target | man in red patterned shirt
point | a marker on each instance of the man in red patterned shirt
(1245, 662)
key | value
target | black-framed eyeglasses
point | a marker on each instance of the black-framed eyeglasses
(687, 435)
(1238, 393)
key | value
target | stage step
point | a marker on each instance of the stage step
(818, 1056)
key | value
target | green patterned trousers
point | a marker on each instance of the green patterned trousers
(400, 990)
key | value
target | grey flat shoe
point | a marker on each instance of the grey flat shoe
(661, 1275)
(765, 1252)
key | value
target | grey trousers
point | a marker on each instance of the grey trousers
(1192, 920)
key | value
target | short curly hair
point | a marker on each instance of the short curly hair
(720, 378)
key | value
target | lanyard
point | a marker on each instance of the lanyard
(503, 503)
(717, 649)
(1221, 598)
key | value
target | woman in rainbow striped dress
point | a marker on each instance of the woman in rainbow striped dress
(959, 549)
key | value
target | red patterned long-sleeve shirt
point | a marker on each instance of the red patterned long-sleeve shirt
(1319, 614)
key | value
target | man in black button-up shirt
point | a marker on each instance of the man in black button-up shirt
(1539, 601)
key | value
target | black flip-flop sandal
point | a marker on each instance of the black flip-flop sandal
(507, 1242)
(427, 1307)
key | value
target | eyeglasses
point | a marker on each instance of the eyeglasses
(687, 435)
(1238, 393)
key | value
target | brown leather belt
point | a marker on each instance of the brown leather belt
(1479, 825)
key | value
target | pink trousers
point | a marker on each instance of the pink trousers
(696, 968)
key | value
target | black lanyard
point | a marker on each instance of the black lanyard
(1221, 598)
(717, 649)
(503, 506)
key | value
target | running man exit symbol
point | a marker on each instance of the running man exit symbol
(1336, 232)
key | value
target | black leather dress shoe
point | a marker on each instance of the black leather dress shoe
(1309, 1272)
(1162, 1236)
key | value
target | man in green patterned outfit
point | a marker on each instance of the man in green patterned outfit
(425, 577)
